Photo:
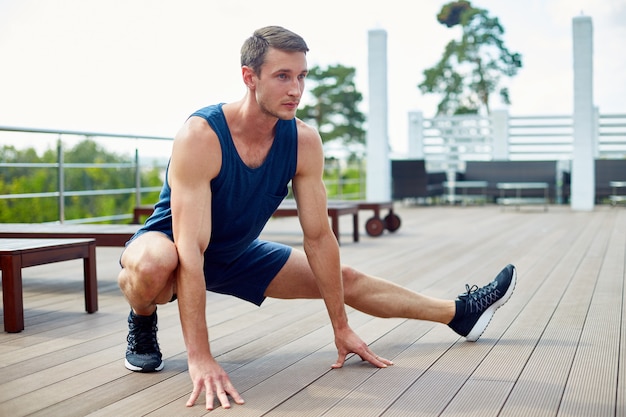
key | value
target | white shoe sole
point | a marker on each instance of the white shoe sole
(134, 368)
(485, 318)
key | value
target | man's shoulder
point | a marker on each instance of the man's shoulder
(306, 132)
(198, 126)
(197, 133)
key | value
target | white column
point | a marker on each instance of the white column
(378, 181)
(416, 135)
(583, 162)
(500, 132)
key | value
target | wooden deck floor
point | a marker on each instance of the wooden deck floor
(557, 348)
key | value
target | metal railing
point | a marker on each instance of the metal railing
(131, 141)
(339, 185)
(447, 142)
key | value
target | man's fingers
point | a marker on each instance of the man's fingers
(230, 390)
(341, 359)
(208, 398)
(222, 397)
(221, 392)
(366, 355)
(197, 389)
(376, 360)
(381, 362)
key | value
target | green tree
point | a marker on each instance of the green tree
(335, 108)
(24, 180)
(471, 68)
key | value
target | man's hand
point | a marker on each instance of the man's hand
(348, 342)
(209, 376)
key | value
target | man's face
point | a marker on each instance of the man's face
(280, 87)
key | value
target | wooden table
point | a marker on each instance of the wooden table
(141, 211)
(104, 234)
(335, 209)
(16, 254)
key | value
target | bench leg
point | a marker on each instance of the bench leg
(91, 281)
(12, 293)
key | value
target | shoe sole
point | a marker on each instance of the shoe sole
(134, 368)
(485, 318)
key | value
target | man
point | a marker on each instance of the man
(228, 172)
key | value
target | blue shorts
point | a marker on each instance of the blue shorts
(248, 276)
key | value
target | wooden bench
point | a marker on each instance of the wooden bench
(335, 209)
(16, 254)
(288, 209)
(103, 234)
(142, 211)
(519, 199)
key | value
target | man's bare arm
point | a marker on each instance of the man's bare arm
(196, 159)
(321, 246)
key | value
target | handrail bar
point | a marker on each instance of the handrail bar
(98, 219)
(79, 193)
(81, 133)
(65, 165)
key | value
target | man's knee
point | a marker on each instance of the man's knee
(351, 278)
(148, 263)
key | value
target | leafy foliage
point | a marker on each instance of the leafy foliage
(452, 13)
(471, 68)
(335, 110)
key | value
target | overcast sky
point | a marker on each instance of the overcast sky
(142, 66)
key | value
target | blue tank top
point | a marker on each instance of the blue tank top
(244, 198)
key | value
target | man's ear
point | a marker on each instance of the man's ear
(249, 77)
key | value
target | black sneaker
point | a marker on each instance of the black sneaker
(142, 353)
(475, 308)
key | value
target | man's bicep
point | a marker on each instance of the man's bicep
(308, 184)
(190, 181)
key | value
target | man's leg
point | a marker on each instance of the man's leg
(468, 315)
(371, 295)
(146, 279)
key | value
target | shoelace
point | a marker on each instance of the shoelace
(142, 336)
(479, 299)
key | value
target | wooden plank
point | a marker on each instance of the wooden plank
(592, 383)
(473, 400)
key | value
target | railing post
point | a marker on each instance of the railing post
(137, 179)
(583, 159)
(61, 175)
(339, 180)
(378, 180)
(500, 132)
(416, 135)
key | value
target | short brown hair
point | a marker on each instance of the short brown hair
(256, 46)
